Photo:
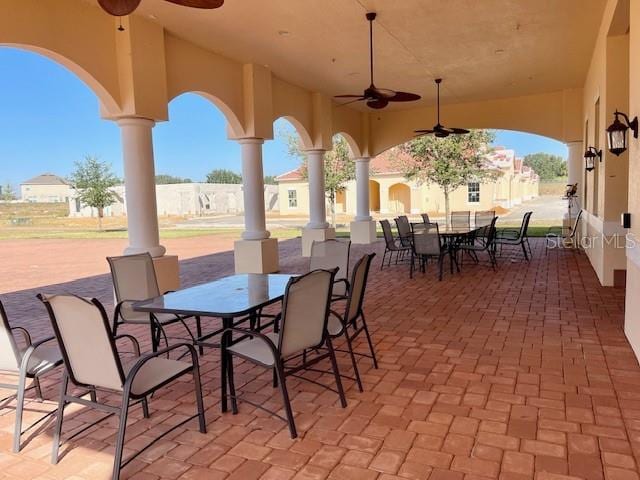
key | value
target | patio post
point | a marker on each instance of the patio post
(575, 169)
(140, 186)
(363, 229)
(317, 229)
(256, 252)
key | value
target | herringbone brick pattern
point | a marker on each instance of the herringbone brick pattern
(522, 373)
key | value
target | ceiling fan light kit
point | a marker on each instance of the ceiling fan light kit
(440, 130)
(373, 96)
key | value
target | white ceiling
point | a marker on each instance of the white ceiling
(482, 48)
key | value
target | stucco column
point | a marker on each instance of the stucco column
(363, 229)
(317, 229)
(256, 252)
(575, 168)
(140, 186)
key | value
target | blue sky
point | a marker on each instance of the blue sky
(49, 119)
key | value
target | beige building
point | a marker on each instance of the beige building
(46, 188)
(391, 192)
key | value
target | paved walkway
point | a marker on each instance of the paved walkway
(522, 373)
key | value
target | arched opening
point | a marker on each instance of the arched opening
(374, 196)
(400, 198)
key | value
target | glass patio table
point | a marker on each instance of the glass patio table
(229, 298)
(453, 236)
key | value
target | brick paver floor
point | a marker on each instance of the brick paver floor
(522, 373)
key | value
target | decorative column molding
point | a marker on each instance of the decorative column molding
(363, 229)
(317, 201)
(362, 189)
(140, 186)
(256, 252)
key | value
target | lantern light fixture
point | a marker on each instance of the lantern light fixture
(617, 132)
(590, 158)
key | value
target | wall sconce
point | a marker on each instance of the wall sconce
(617, 132)
(590, 158)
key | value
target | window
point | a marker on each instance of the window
(474, 192)
(293, 198)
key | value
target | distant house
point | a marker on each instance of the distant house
(391, 192)
(46, 188)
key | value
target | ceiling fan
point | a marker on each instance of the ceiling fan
(439, 130)
(378, 97)
(120, 8)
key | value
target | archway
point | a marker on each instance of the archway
(374, 196)
(400, 198)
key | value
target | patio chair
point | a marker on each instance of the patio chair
(562, 236)
(461, 219)
(487, 245)
(515, 237)
(391, 244)
(28, 361)
(305, 312)
(352, 323)
(425, 217)
(134, 279)
(93, 364)
(428, 244)
(333, 254)
(484, 218)
(404, 230)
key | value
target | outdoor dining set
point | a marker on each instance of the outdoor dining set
(418, 242)
(283, 323)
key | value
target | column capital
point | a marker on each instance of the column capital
(574, 143)
(319, 151)
(362, 159)
(142, 121)
(250, 140)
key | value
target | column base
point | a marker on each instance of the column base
(167, 272)
(317, 234)
(363, 232)
(156, 251)
(256, 256)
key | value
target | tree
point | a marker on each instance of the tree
(6, 193)
(164, 179)
(270, 180)
(450, 162)
(339, 167)
(92, 180)
(222, 175)
(548, 166)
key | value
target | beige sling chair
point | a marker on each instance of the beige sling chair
(305, 311)
(333, 254)
(30, 361)
(93, 363)
(134, 279)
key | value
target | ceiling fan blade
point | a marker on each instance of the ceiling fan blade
(459, 131)
(442, 134)
(424, 131)
(377, 103)
(119, 8)
(208, 4)
(351, 101)
(404, 97)
(349, 96)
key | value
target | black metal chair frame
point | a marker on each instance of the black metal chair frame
(516, 237)
(127, 395)
(558, 234)
(352, 323)
(391, 245)
(488, 233)
(423, 258)
(280, 368)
